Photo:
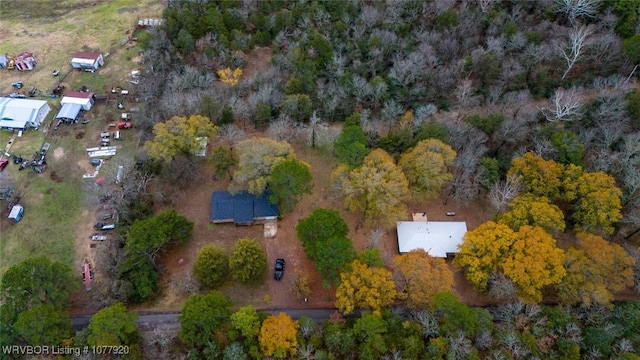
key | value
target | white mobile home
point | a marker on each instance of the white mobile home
(87, 60)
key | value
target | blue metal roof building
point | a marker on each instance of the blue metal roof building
(242, 208)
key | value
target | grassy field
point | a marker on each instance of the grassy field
(54, 31)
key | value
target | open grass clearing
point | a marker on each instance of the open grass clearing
(55, 207)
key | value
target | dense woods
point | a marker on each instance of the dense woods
(531, 107)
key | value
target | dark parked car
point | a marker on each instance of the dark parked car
(279, 270)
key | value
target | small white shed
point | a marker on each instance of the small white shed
(87, 60)
(16, 213)
(84, 99)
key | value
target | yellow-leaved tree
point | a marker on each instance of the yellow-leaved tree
(539, 176)
(419, 276)
(529, 257)
(278, 336)
(598, 204)
(595, 269)
(228, 76)
(179, 135)
(256, 160)
(529, 209)
(365, 287)
(378, 188)
(426, 167)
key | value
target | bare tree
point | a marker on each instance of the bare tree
(231, 133)
(428, 323)
(464, 94)
(486, 5)
(376, 235)
(504, 191)
(578, 8)
(577, 42)
(566, 105)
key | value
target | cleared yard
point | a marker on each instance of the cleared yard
(54, 200)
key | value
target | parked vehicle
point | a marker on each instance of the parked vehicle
(17, 84)
(103, 226)
(124, 125)
(3, 163)
(45, 148)
(97, 237)
(279, 269)
(56, 72)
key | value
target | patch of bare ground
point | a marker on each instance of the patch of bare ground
(257, 62)
(194, 203)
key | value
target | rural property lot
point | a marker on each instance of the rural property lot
(61, 206)
(55, 201)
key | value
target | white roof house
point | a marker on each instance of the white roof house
(438, 238)
(22, 113)
(87, 60)
(84, 99)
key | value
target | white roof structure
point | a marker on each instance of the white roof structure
(80, 98)
(20, 113)
(438, 238)
(87, 60)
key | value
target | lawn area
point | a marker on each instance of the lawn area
(54, 201)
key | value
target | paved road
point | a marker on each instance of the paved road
(169, 320)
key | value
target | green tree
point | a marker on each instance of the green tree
(633, 108)
(631, 48)
(528, 209)
(36, 281)
(487, 125)
(331, 256)
(351, 146)
(256, 160)
(113, 326)
(211, 266)
(247, 262)
(201, 315)
(147, 237)
(378, 188)
(489, 172)
(419, 277)
(365, 287)
(595, 269)
(223, 160)
(141, 276)
(247, 321)
(370, 257)
(430, 130)
(569, 147)
(320, 226)
(298, 106)
(289, 180)
(529, 257)
(454, 315)
(179, 135)
(426, 167)
(43, 324)
(370, 330)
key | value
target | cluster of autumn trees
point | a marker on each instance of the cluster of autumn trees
(36, 293)
(372, 182)
(518, 256)
(445, 328)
